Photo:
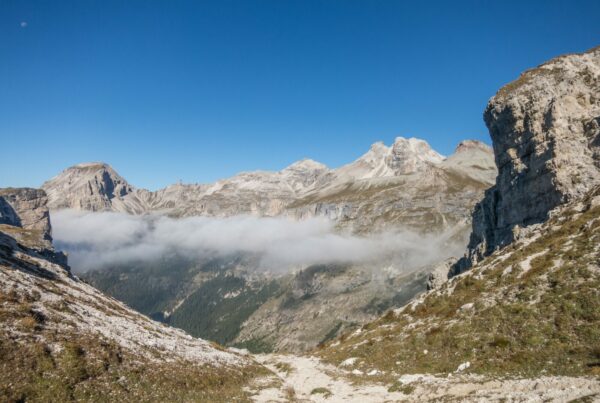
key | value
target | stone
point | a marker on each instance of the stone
(439, 274)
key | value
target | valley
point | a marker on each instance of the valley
(232, 297)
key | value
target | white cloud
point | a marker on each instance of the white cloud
(94, 240)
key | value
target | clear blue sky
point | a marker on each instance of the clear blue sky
(169, 90)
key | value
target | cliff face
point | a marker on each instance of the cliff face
(24, 212)
(545, 128)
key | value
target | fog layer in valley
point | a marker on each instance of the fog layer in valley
(96, 240)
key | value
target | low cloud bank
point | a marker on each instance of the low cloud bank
(96, 240)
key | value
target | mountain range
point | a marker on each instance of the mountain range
(406, 184)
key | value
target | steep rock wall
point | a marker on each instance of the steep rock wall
(545, 128)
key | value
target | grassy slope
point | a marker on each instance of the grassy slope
(44, 364)
(46, 353)
(545, 320)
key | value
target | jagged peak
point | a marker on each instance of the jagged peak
(467, 145)
(409, 140)
(377, 150)
(404, 147)
(379, 145)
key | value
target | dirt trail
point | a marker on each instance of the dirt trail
(307, 379)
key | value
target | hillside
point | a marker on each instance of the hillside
(61, 339)
(226, 300)
(530, 309)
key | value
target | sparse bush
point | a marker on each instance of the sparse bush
(321, 391)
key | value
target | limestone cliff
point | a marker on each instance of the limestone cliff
(545, 127)
(26, 211)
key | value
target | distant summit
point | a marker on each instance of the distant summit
(89, 186)
(467, 145)
(306, 164)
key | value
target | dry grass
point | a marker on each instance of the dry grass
(88, 369)
(543, 321)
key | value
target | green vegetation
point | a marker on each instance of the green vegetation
(28, 237)
(332, 333)
(256, 346)
(148, 287)
(504, 317)
(217, 309)
(284, 367)
(215, 302)
(400, 387)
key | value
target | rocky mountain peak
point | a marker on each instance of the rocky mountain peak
(545, 127)
(92, 165)
(88, 186)
(411, 155)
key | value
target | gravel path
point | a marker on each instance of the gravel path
(306, 379)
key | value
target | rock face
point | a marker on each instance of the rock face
(24, 215)
(545, 127)
(89, 186)
(26, 208)
(438, 274)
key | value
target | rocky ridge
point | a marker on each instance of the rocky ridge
(25, 216)
(26, 208)
(306, 188)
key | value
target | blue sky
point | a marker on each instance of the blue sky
(191, 90)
